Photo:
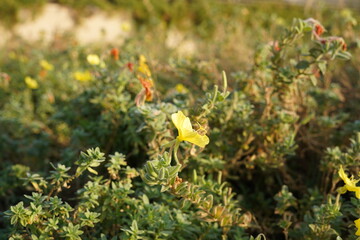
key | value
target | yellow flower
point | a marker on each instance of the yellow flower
(186, 132)
(31, 83)
(93, 59)
(143, 67)
(181, 88)
(357, 224)
(46, 65)
(126, 27)
(350, 183)
(83, 76)
(142, 59)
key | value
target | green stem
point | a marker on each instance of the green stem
(176, 148)
(169, 144)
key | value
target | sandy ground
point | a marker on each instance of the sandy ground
(99, 27)
(55, 19)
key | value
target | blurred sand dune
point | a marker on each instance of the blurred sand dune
(99, 27)
(55, 19)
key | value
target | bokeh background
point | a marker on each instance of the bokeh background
(51, 108)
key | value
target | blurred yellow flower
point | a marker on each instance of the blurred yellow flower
(125, 26)
(143, 67)
(186, 132)
(102, 64)
(93, 59)
(350, 183)
(31, 83)
(181, 88)
(83, 76)
(142, 59)
(46, 65)
(357, 224)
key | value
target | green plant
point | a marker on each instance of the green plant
(258, 155)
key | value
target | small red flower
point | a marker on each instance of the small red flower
(323, 41)
(130, 66)
(332, 39)
(319, 30)
(115, 53)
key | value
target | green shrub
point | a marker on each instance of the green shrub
(258, 153)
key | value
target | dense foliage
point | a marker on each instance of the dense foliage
(112, 143)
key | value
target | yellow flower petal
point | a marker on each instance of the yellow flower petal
(342, 173)
(186, 132)
(142, 59)
(357, 224)
(182, 123)
(346, 179)
(83, 76)
(350, 183)
(46, 65)
(181, 88)
(144, 69)
(199, 140)
(126, 27)
(93, 59)
(31, 83)
(356, 190)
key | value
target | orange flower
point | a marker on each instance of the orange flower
(341, 41)
(115, 53)
(147, 84)
(319, 29)
(276, 46)
(43, 73)
(344, 46)
(146, 94)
